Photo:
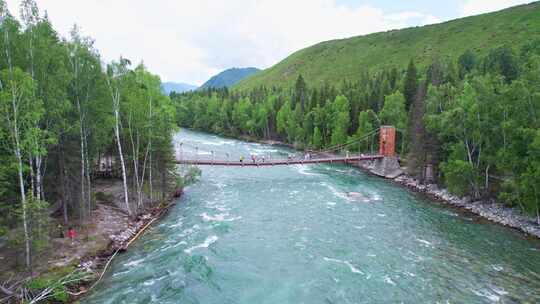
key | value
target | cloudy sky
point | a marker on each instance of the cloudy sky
(191, 40)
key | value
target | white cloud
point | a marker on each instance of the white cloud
(476, 7)
(191, 40)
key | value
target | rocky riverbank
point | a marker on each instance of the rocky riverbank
(490, 210)
(95, 265)
(74, 266)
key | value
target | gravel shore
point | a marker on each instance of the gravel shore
(492, 211)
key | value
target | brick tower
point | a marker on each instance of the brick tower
(387, 141)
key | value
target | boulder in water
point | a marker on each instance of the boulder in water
(357, 196)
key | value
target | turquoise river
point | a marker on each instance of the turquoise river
(316, 234)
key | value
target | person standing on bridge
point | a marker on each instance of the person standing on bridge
(253, 158)
(242, 159)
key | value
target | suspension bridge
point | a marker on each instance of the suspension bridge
(387, 135)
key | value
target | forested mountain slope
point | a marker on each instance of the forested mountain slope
(228, 77)
(338, 60)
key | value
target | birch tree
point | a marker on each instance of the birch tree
(30, 18)
(21, 113)
(146, 90)
(16, 88)
(85, 68)
(115, 73)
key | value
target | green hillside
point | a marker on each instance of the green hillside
(337, 60)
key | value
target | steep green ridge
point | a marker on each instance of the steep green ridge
(337, 60)
(228, 77)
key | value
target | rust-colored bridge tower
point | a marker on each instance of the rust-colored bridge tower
(387, 141)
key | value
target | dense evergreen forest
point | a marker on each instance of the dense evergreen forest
(474, 120)
(61, 111)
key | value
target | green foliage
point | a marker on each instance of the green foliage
(57, 280)
(410, 85)
(489, 126)
(340, 120)
(365, 127)
(189, 176)
(530, 179)
(288, 122)
(467, 62)
(317, 139)
(502, 61)
(56, 122)
(393, 113)
(300, 93)
(459, 176)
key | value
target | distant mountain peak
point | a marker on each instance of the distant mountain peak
(229, 77)
(178, 87)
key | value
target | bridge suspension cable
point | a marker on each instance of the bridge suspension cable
(350, 143)
(327, 155)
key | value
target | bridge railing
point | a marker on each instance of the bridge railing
(292, 158)
(191, 152)
(257, 157)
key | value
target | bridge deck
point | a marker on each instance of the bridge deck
(280, 162)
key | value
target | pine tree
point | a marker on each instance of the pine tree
(300, 93)
(317, 138)
(340, 120)
(466, 62)
(410, 85)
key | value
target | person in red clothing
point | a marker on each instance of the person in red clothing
(72, 234)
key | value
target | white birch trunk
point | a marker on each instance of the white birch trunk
(32, 184)
(39, 186)
(135, 152)
(144, 170)
(18, 155)
(116, 106)
(81, 132)
(87, 170)
(17, 150)
(87, 158)
(150, 156)
(23, 202)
